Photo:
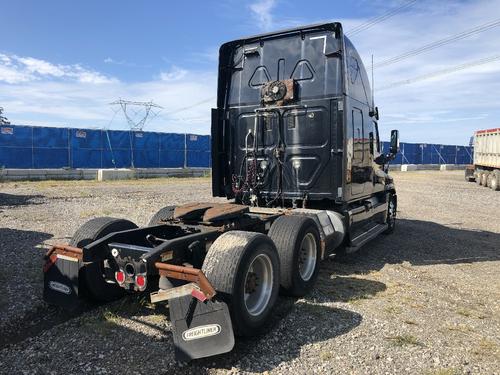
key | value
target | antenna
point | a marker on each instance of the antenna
(141, 112)
(373, 88)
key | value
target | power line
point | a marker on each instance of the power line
(190, 106)
(438, 43)
(166, 115)
(442, 72)
(373, 21)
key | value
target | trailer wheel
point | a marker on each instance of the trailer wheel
(243, 267)
(484, 179)
(298, 243)
(98, 286)
(477, 175)
(495, 181)
(165, 213)
(488, 179)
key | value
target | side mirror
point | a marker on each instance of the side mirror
(374, 113)
(394, 142)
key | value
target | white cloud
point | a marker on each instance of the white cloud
(261, 11)
(38, 92)
(18, 69)
(12, 75)
(446, 108)
(174, 74)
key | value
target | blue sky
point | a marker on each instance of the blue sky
(62, 62)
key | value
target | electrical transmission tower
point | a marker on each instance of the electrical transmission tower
(137, 113)
(3, 119)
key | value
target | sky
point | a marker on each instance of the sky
(63, 62)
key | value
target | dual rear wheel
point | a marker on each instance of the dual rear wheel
(489, 179)
(248, 269)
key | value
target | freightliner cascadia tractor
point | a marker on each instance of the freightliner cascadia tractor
(296, 151)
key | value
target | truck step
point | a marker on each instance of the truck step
(366, 236)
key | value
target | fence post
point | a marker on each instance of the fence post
(185, 150)
(32, 148)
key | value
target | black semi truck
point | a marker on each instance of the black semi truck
(296, 151)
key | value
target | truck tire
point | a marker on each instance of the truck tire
(298, 243)
(488, 179)
(484, 179)
(495, 181)
(391, 214)
(96, 284)
(243, 267)
(165, 213)
(477, 175)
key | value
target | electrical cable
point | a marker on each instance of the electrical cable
(438, 43)
(373, 21)
(442, 72)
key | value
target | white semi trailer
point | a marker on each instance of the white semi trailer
(486, 168)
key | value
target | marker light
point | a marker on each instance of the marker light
(140, 281)
(120, 277)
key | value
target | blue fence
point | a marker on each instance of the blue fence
(44, 147)
(427, 153)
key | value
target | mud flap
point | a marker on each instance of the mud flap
(201, 329)
(60, 284)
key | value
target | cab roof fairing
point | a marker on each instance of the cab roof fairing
(227, 49)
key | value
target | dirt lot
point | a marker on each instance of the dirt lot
(424, 300)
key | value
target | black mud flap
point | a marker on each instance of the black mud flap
(201, 329)
(60, 284)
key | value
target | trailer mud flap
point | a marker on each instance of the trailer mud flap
(201, 329)
(60, 285)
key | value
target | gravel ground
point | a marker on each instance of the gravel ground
(424, 300)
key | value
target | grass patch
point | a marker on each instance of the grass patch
(358, 298)
(110, 317)
(391, 309)
(460, 328)
(91, 183)
(444, 371)
(157, 319)
(86, 214)
(487, 347)
(84, 194)
(404, 340)
(464, 312)
(410, 322)
(325, 356)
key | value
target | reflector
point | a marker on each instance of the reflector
(140, 281)
(120, 277)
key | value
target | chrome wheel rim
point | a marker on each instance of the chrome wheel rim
(258, 284)
(307, 257)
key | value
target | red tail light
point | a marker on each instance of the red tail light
(120, 277)
(140, 281)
